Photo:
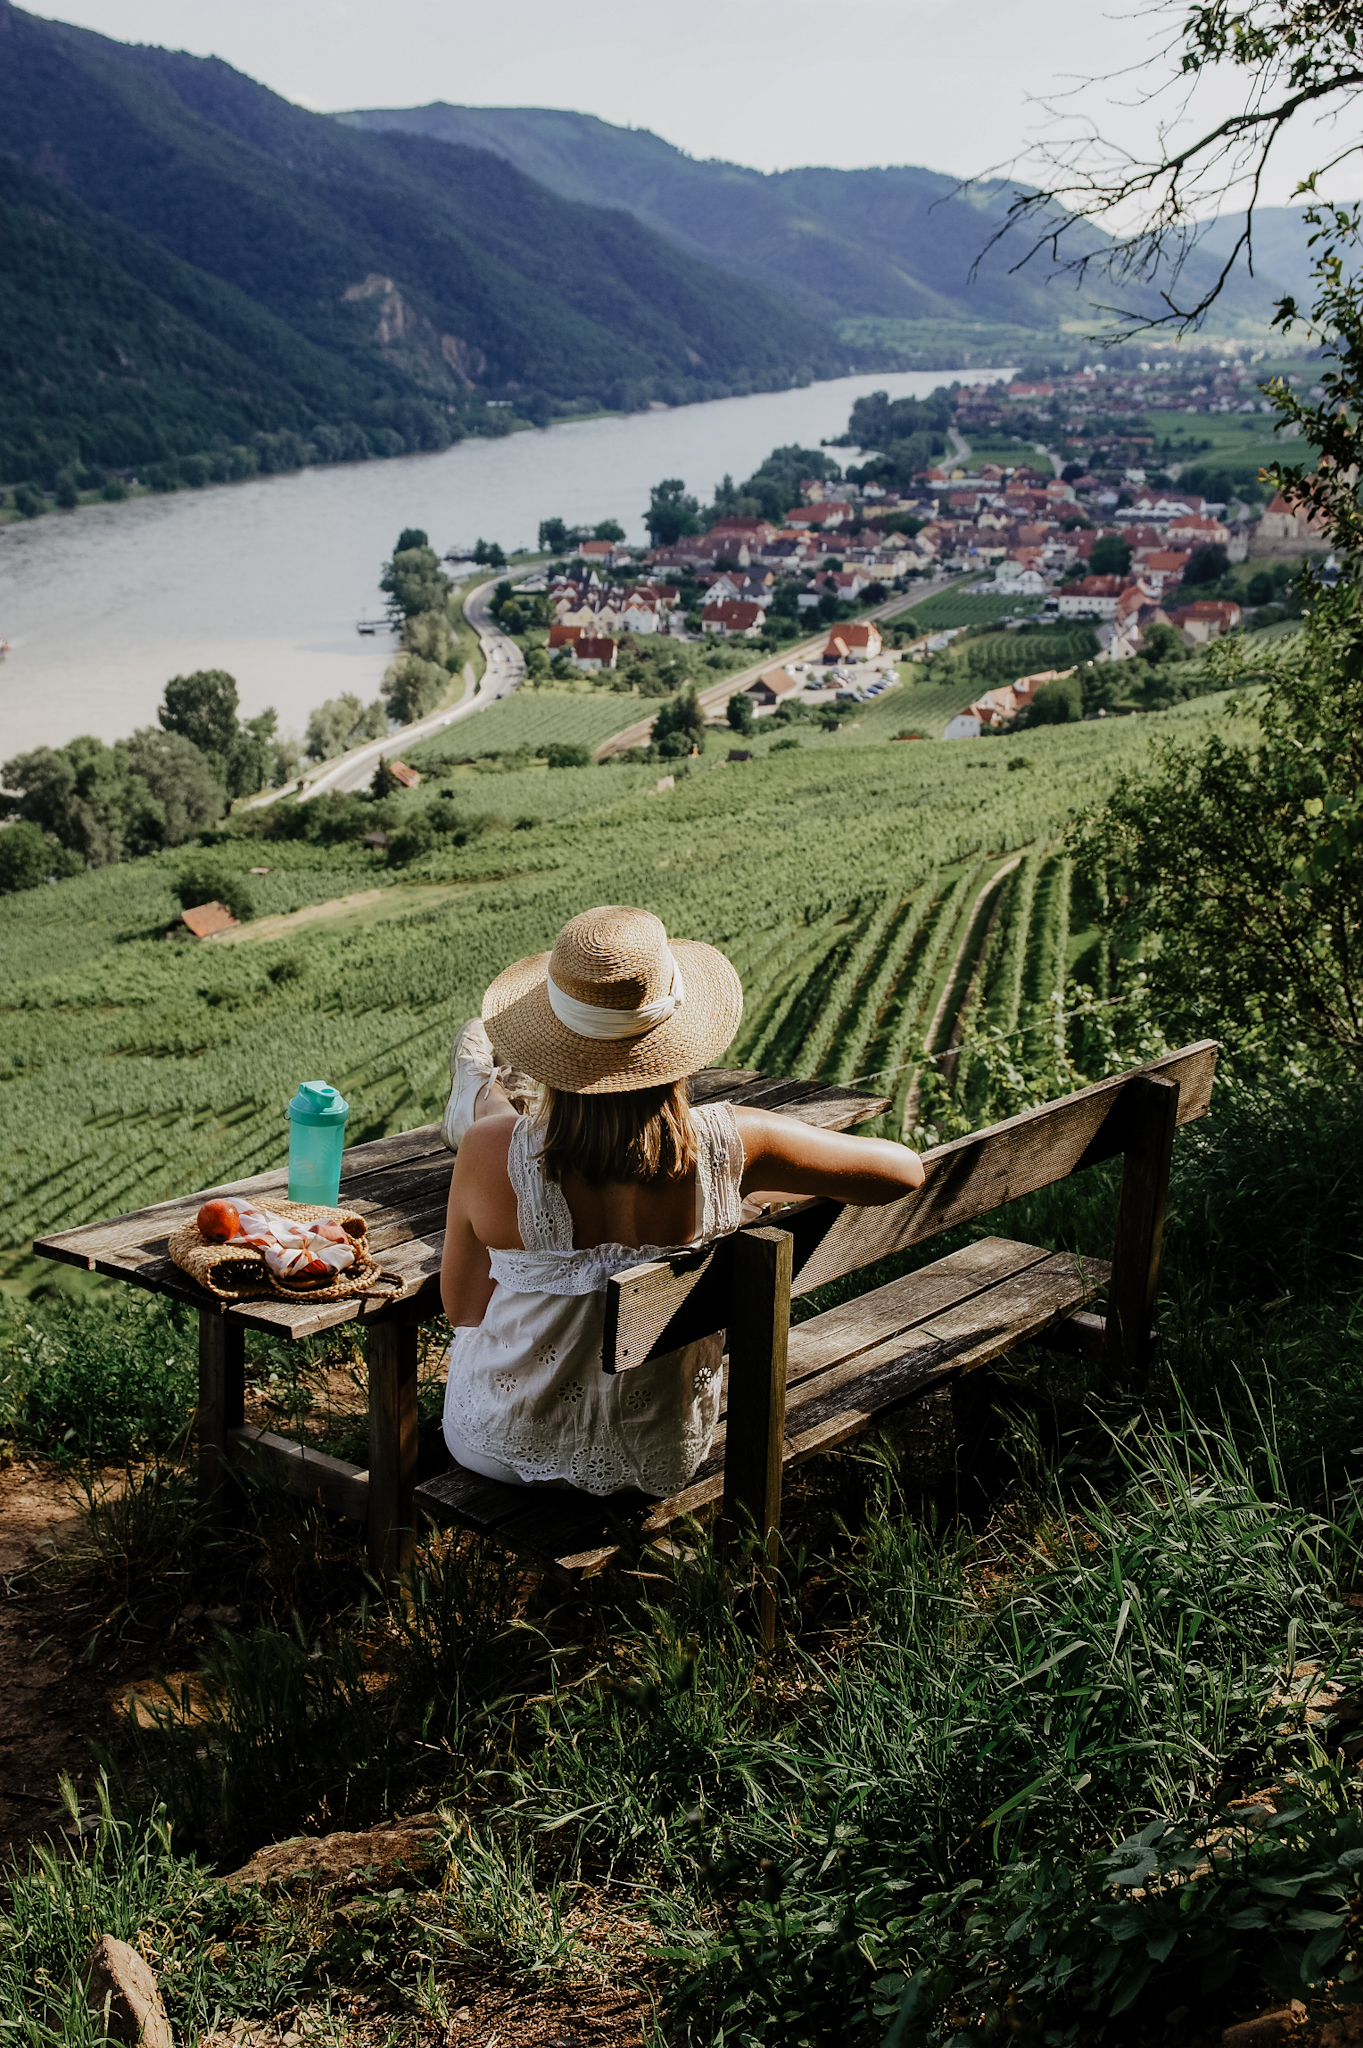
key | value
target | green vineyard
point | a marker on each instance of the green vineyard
(895, 911)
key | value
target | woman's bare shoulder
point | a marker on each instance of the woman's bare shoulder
(484, 1147)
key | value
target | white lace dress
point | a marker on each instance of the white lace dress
(526, 1398)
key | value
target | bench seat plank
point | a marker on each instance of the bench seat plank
(857, 1362)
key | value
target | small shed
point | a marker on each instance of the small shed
(410, 778)
(206, 920)
(774, 686)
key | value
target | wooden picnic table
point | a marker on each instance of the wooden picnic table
(400, 1186)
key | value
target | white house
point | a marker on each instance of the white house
(965, 726)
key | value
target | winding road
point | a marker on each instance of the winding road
(504, 672)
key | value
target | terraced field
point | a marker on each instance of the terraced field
(876, 898)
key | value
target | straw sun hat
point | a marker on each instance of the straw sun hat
(615, 1006)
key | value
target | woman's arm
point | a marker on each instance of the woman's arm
(780, 1152)
(480, 1199)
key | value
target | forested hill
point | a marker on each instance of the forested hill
(894, 243)
(191, 256)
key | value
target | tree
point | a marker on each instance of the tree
(426, 634)
(188, 793)
(210, 881)
(680, 725)
(411, 537)
(553, 537)
(413, 580)
(608, 529)
(85, 795)
(1236, 867)
(1293, 61)
(740, 713)
(1161, 643)
(412, 687)
(202, 707)
(384, 782)
(253, 757)
(29, 856)
(488, 552)
(344, 722)
(1111, 555)
(671, 513)
(565, 754)
(1057, 703)
(1207, 563)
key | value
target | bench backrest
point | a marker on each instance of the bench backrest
(654, 1308)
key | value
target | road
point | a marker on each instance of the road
(504, 672)
(716, 696)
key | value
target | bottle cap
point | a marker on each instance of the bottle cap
(318, 1103)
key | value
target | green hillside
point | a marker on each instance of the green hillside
(409, 273)
(892, 244)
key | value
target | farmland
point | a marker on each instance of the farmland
(842, 874)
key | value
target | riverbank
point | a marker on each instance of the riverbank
(266, 578)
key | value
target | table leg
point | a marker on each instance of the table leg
(391, 1351)
(222, 1400)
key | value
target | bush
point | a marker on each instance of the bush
(29, 856)
(1057, 703)
(207, 882)
(740, 714)
(566, 754)
(28, 501)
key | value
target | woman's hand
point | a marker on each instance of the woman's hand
(799, 1159)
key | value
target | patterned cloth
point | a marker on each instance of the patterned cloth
(526, 1392)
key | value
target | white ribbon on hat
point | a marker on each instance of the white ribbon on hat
(589, 1020)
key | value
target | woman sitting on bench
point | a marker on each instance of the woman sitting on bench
(608, 1168)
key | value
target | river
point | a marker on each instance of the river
(266, 579)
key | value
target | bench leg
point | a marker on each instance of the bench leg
(1153, 1105)
(391, 1353)
(222, 1401)
(759, 1326)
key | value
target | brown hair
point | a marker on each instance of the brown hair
(639, 1135)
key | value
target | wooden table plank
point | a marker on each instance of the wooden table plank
(154, 1224)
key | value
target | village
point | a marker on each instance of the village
(1083, 526)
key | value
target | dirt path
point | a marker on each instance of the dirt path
(50, 1703)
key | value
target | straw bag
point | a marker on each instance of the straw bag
(236, 1272)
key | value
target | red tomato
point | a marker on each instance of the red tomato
(218, 1221)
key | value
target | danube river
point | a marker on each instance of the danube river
(267, 578)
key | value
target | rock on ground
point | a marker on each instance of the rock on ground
(331, 1859)
(118, 1983)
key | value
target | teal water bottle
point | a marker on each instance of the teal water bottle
(317, 1117)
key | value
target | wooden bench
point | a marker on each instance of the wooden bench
(400, 1185)
(791, 1394)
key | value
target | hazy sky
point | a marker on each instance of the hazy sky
(772, 83)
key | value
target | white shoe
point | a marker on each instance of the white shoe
(472, 1065)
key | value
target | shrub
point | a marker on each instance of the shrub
(566, 754)
(207, 882)
(29, 855)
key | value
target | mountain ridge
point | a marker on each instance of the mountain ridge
(488, 284)
(893, 242)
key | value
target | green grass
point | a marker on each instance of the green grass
(967, 608)
(1229, 438)
(530, 718)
